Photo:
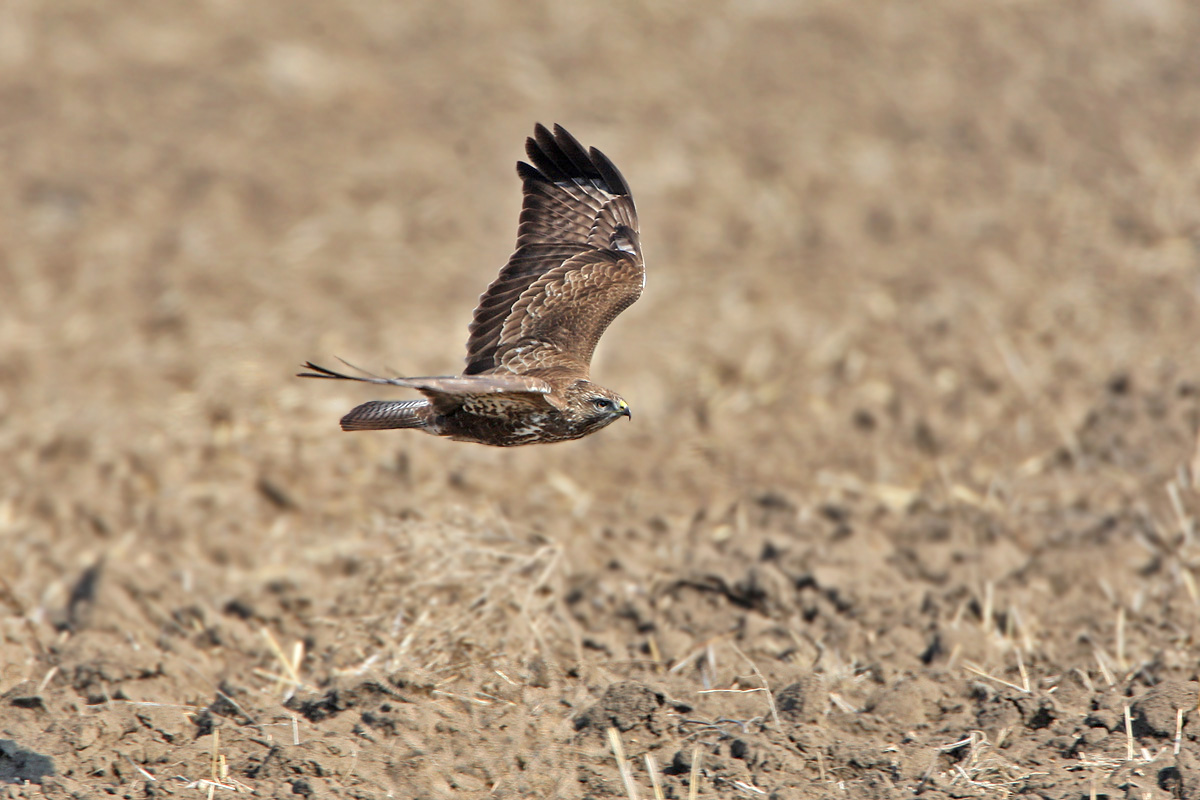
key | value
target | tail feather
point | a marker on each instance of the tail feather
(380, 415)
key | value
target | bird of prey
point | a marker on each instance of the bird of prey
(578, 264)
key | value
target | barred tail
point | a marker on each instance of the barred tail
(380, 415)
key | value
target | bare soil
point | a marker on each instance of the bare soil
(907, 505)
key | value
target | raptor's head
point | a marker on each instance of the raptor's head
(593, 406)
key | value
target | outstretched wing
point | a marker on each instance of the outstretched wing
(578, 263)
(489, 395)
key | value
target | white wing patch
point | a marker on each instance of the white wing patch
(625, 245)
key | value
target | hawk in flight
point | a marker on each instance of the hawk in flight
(578, 264)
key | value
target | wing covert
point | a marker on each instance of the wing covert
(556, 323)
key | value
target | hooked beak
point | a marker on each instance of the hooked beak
(623, 409)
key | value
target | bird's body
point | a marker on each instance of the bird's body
(502, 419)
(578, 264)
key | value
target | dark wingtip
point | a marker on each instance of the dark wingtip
(568, 143)
(528, 172)
(559, 156)
(317, 372)
(535, 144)
(614, 181)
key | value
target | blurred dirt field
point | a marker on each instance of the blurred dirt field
(907, 505)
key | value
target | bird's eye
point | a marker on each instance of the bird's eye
(601, 403)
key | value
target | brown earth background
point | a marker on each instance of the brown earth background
(907, 505)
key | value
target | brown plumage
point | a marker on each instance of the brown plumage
(578, 264)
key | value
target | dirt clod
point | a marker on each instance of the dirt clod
(1156, 713)
(624, 706)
